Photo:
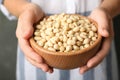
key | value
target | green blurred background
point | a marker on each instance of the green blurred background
(8, 47)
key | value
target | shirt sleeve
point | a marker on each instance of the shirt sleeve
(6, 12)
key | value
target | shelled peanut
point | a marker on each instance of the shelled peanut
(65, 32)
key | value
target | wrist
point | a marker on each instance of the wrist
(112, 6)
(107, 11)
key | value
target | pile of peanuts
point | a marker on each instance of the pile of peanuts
(65, 32)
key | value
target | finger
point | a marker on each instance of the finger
(27, 31)
(103, 31)
(101, 54)
(28, 51)
(34, 57)
(98, 58)
(50, 70)
(83, 69)
(42, 66)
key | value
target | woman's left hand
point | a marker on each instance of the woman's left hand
(104, 22)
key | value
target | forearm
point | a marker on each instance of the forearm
(15, 7)
(112, 6)
(19, 6)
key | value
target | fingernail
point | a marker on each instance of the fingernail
(50, 71)
(81, 71)
(89, 65)
(45, 70)
(106, 32)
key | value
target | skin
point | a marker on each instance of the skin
(29, 13)
(105, 29)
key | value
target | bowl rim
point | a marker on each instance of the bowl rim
(46, 51)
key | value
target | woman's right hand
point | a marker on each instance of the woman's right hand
(25, 30)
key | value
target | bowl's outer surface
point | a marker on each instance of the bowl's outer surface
(64, 61)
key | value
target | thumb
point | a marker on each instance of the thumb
(103, 26)
(25, 23)
(24, 29)
(27, 31)
(102, 29)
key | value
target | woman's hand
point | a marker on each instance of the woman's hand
(104, 21)
(25, 30)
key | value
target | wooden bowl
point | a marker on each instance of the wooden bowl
(67, 60)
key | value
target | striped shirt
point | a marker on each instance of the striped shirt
(106, 70)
